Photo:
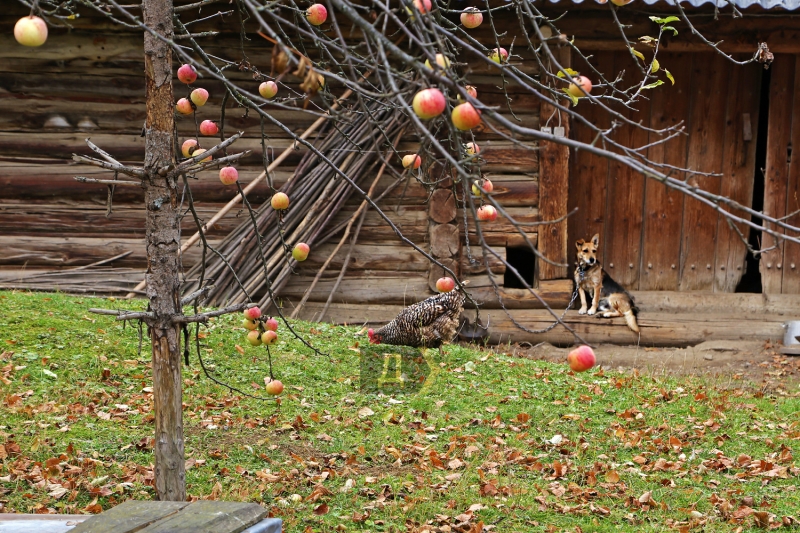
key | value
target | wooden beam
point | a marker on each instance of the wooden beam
(554, 185)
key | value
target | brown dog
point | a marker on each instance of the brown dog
(608, 296)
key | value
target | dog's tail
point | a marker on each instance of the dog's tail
(630, 319)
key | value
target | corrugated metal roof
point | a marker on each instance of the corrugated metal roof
(789, 5)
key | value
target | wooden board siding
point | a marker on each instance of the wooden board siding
(661, 240)
(776, 177)
(791, 253)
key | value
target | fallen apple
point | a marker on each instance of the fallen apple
(209, 127)
(187, 74)
(498, 55)
(445, 284)
(428, 103)
(274, 387)
(581, 358)
(487, 213)
(199, 97)
(228, 175)
(271, 324)
(412, 161)
(188, 147)
(268, 89)
(300, 251)
(465, 116)
(254, 337)
(317, 14)
(252, 313)
(269, 337)
(471, 17)
(279, 201)
(184, 106)
(578, 83)
(30, 31)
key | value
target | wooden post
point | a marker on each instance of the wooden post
(553, 185)
(163, 241)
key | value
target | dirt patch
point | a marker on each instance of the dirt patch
(755, 363)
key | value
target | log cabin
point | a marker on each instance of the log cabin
(688, 269)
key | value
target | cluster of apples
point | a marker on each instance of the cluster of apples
(262, 332)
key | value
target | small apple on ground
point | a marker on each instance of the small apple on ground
(187, 74)
(471, 17)
(445, 284)
(317, 14)
(199, 97)
(472, 148)
(441, 60)
(578, 83)
(268, 89)
(30, 31)
(199, 151)
(249, 324)
(423, 6)
(498, 55)
(254, 338)
(228, 175)
(184, 107)
(428, 103)
(412, 161)
(581, 358)
(269, 337)
(300, 251)
(465, 116)
(274, 387)
(487, 213)
(188, 147)
(279, 201)
(208, 127)
(484, 186)
(252, 313)
(271, 324)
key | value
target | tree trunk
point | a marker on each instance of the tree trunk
(162, 230)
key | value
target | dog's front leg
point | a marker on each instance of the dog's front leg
(595, 300)
(582, 294)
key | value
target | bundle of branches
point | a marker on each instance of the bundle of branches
(254, 261)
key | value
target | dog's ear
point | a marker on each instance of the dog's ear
(596, 239)
(579, 243)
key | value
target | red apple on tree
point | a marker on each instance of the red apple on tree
(428, 103)
(188, 147)
(465, 116)
(209, 127)
(581, 358)
(471, 17)
(199, 151)
(470, 90)
(317, 14)
(274, 387)
(441, 60)
(487, 213)
(187, 74)
(300, 251)
(184, 107)
(254, 338)
(485, 186)
(423, 6)
(228, 175)
(472, 148)
(30, 31)
(412, 161)
(252, 313)
(269, 337)
(249, 324)
(279, 201)
(271, 324)
(498, 55)
(578, 83)
(199, 97)
(445, 284)
(268, 89)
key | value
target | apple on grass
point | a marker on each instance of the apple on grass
(188, 147)
(445, 284)
(268, 89)
(199, 97)
(269, 337)
(300, 251)
(581, 359)
(30, 31)
(428, 103)
(209, 127)
(274, 387)
(487, 213)
(271, 324)
(187, 74)
(471, 17)
(252, 313)
(254, 338)
(279, 201)
(412, 161)
(228, 175)
(316, 14)
(465, 116)
(184, 106)
(578, 83)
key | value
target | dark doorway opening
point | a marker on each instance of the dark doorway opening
(524, 261)
(751, 280)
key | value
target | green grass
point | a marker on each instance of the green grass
(636, 453)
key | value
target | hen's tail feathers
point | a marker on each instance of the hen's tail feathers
(630, 319)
